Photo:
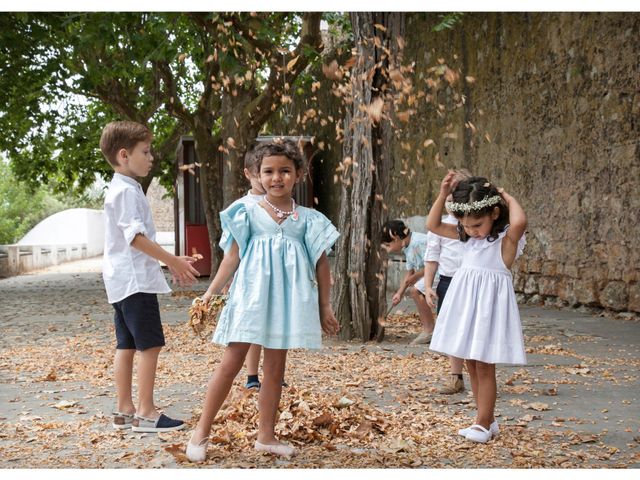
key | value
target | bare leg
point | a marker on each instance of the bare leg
(253, 359)
(269, 398)
(456, 365)
(218, 388)
(486, 393)
(473, 378)
(147, 365)
(123, 371)
(425, 313)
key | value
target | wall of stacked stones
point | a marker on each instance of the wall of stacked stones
(551, 112)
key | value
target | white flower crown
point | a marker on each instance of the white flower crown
(473, 206)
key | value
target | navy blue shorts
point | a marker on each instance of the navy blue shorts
(137, 321)
(441, 290)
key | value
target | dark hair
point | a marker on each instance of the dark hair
(475, 189)
(395, 228)
(250, 158)
(118, 135)
(278, 147)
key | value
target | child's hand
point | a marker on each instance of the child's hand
(396, 299)
(449, 183)
(206, 298)
(182, 271)
(328, 321)
(431, 297)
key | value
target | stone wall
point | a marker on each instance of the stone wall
(161, 207)
(552, 115)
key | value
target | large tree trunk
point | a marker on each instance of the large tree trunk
(238, 135)
(359, 291)
(209, 157)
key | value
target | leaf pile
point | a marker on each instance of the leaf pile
(203, 317)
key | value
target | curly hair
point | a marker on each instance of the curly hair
(278, 147)
(394, 228)
(475, 189)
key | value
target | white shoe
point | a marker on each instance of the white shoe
(197, 453)
(477, 433)
(279, 449)
(493, 428)
(422, 339)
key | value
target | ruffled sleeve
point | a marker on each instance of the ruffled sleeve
(235, 226)
(320, 235)
(521, 244)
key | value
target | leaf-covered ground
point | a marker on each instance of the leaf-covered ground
(349, 405)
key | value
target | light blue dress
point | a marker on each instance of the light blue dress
(273, 300)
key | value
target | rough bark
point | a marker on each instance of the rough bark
(210, 188)
(237, 136)
(359, 290)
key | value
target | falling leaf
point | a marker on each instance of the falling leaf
(350, 63)
(374, 109)
(291, 63)
(332, 70)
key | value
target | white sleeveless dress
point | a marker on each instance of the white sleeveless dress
(479, 318)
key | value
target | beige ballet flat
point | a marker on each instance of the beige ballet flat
(197, 453)
(279, 449)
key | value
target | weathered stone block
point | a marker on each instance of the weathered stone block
(586, 291)
(614, 296)
(550, 268)
(570, 271)
(531, 285)
(535, 300)
(634, 297)
(548, 286)
(566, 292)
(534, 265)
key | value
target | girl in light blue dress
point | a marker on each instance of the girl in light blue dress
(279, 297)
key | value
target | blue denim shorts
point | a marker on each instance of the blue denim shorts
(137, 322)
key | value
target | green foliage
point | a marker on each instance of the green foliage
(448, 21)
(21, 208)
(63, 76)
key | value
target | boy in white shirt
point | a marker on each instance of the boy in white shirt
(132, 276)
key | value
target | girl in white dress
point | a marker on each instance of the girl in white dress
(279, 297)
(479, 320)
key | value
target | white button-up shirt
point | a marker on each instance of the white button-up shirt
(126, 270)
(446, 251)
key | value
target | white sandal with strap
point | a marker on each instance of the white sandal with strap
(493, 428)
(477, 433)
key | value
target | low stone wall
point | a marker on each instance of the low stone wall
(17, 259)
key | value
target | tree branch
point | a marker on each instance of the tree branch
(172, 102)
(259, 110)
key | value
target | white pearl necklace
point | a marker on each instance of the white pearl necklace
(281, 213)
